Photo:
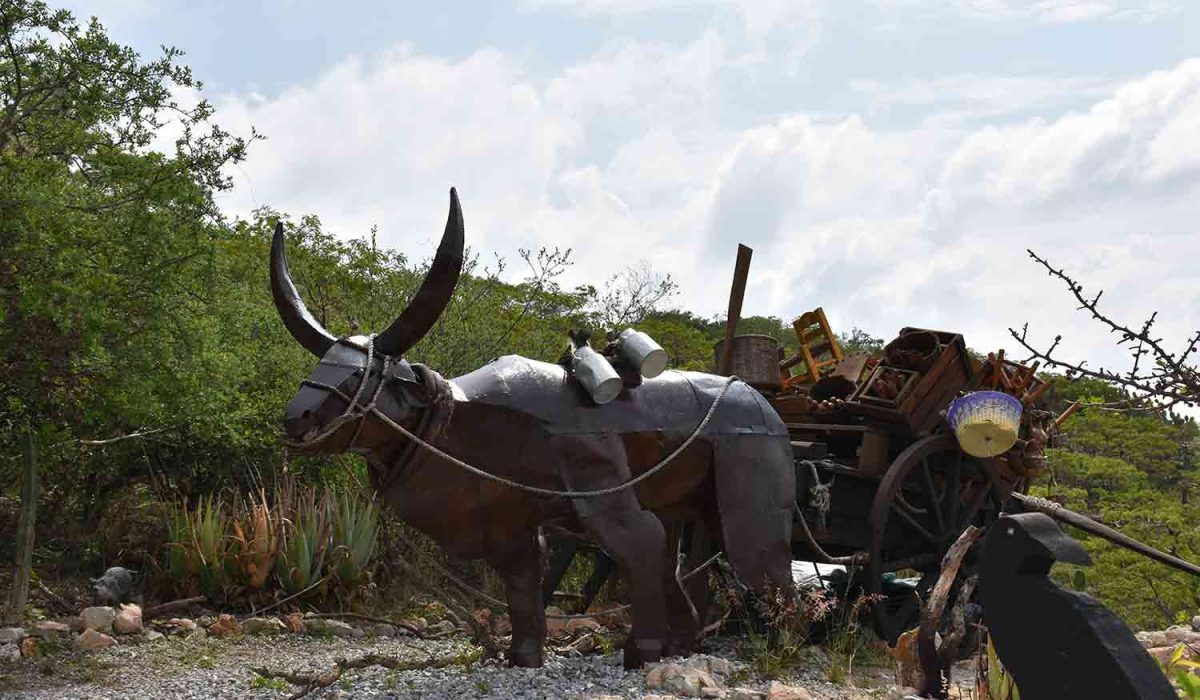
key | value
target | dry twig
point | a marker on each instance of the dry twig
(1157, 378)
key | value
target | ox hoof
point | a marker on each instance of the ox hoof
(526, 655)
(640, 652)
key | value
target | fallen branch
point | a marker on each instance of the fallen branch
(164, 608)
(309, 682)
(416, 631)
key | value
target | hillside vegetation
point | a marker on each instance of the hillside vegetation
(136, 312)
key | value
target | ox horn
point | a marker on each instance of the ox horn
(303, 327)
(435, 292)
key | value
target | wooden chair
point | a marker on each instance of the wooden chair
(818, 349)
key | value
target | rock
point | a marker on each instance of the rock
(609, 615)
(907, 663)
(582, 624)
(11, 635)
(179, 626)
(1181, 634)
(898, 692)
(98, 618)
(779, 691)
(263, 626)
(679, 679)
(9, 652)
(47, 629)
(443, 627)
(555, 627)
(29, 647)
(715, 665)
(1196, 623)
(382, 629)
(417, 623)
(91, 639)
(76, 624)
(294, 621)
(225, 626)
(336, 628)
(502, 625)
(1164, 654)
(129, 620)
(149, 636)
(746, 694)
(714, 693)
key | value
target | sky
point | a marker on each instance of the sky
(888, 160)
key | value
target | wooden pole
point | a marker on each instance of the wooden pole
(18, 595)
(741, 270)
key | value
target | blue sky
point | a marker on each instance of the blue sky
(890, 160)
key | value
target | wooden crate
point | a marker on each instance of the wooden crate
(918, 409)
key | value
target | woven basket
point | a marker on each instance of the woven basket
(985, 422)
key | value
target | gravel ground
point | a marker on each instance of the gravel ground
(181, 669)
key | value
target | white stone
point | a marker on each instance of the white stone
(91, 639)
(10, 652)
(47, 629)
(780, 691)
(11, 635)
(263, 625)
(129, 620)
(99, 619)
(1196, 623)
(336, 628)
(679, 679)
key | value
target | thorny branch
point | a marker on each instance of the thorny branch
(1157, 377)
(309, 683)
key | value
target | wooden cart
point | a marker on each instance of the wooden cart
(881, 484)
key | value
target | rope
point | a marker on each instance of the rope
(354, 412)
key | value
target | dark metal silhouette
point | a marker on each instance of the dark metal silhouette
(530, 422)
(1057, 643)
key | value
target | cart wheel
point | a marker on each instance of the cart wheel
(929, 495)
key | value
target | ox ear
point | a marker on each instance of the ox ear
(300, 323)
(435, 292)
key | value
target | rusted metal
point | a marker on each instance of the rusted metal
(532, 424)
(1086, 524)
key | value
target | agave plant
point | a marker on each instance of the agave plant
(354, 530)
(257, 544)
(208, 529)
(304, 539)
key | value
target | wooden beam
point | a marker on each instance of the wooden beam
(741, 271)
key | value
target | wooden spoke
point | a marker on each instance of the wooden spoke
(934, 497)
(900, 510)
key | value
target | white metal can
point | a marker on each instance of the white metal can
(640, 351)
(596, 375)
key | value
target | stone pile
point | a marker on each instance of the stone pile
(1162, 643)
(101, 627)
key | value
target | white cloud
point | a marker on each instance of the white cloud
(1052, 11)
(622, 157)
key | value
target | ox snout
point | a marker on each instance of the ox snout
(301, 421)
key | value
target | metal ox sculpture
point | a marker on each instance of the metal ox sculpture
(531, 423)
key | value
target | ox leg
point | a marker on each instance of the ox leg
(521, 570)
(755, 492)
(634, 538)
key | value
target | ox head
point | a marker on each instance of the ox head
(344, 372)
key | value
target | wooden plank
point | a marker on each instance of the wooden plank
(828, 427)
(741, 270)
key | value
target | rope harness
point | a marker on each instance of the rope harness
(355, 412)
